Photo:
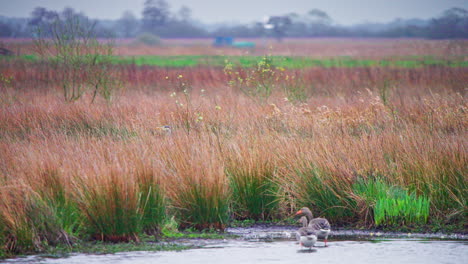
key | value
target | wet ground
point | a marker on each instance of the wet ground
(276, 245)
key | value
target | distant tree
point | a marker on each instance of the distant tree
(5, 30)
(258, 29)
(319, 23)
(184, 14)
(279, 25)
(69, 13)
(452, 24)
(41, 16)
(155, 14)
(127, 24)
(319, 17)
(298, 29)
(42, 19)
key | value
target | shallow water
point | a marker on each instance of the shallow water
(243, 251)
(275, 244)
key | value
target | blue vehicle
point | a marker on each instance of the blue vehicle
(221, 41)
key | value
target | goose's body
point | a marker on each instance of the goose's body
(321, 226)
(306, 235)
(306, 238)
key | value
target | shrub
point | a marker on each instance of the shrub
(148, 39)
(83, 62)
(257, 83)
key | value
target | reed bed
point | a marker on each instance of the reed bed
(251, 172)
(110, 170)
(322, 81)
(313, 47)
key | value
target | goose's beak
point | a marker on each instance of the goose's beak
(299, 212)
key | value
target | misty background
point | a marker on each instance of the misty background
(241, 18)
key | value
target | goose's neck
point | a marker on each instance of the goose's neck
(309, 216)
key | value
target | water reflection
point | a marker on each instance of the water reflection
(241, 251)
(311, 250)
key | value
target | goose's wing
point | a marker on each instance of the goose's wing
(319, 223)
(306, 231)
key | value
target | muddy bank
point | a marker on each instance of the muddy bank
(273, 232)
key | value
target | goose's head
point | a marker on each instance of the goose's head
(304, 211)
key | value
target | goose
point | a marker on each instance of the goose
(303, 220)
(306, 235)
(320, 225)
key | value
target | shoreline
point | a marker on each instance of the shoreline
(259, 232)
(275, 231)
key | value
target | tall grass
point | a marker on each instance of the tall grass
(51, 187)
(100, 171)
(196, 183)
(326, 195)
(111, 206)
(252, 177)
(27, 223)
(152, 201)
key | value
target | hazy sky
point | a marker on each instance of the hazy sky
(341, 11)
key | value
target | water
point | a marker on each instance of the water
(254, 248)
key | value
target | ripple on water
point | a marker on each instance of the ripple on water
(242, 251)
(277, 245)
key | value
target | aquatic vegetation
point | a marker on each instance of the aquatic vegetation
(403, 209)
(392, 205)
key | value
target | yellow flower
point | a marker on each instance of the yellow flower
(218, 107)
(199, 117)
(180, 76)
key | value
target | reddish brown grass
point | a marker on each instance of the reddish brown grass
(313, 47)
(416, 139)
